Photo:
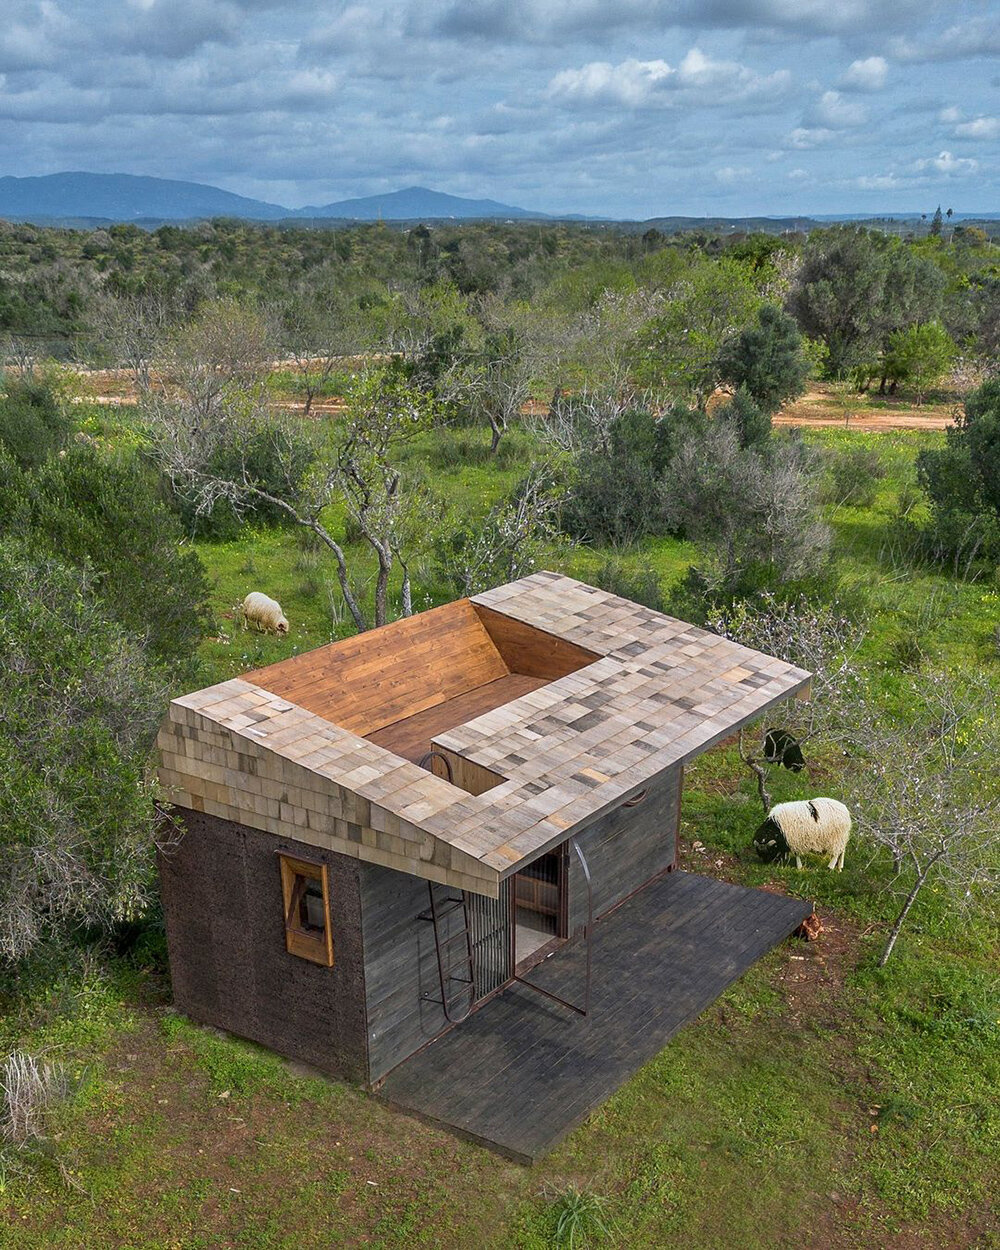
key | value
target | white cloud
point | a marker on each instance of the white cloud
(950, 114)
(798, 175)
(730, 175)
(877, 182)
(945, 163)
(809, 137)
(977, 36)
(867, 75)
(981, 128)
(833, 111)
(632, 82)
(698, 79)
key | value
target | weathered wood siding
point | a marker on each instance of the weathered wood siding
(224, 916)
(400, 966)
(627, 848)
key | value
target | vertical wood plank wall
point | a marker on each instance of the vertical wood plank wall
(626, 848)
(224, 915)
(400, 966)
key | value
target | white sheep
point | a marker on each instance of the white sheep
(817, 826)
(264, 613)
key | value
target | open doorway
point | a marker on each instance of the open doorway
(540, 907)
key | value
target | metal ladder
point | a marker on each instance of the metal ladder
(456, 1003)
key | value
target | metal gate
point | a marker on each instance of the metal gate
(490, 937)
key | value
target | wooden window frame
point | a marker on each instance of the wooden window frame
(295, 875)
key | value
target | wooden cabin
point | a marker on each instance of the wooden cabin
(384, 834)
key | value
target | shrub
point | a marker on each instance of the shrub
(752, 424)
(79, 707)
(33, 424)
(106, 512)
(853, 476)
(614, 500)
(753, 515)
(766, 360)
(641, 585)
(28, 1088)
(962, 481)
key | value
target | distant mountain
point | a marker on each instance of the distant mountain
(125, 197)
(61, 198)
(416, 203)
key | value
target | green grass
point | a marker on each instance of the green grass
(820, 1101)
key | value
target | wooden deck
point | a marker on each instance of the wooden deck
(522, 1072)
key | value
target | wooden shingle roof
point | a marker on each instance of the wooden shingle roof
(557, 757)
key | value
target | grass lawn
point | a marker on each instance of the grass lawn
(820, 1102)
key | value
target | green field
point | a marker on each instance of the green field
(820, 1102)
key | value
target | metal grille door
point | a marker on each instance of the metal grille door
(489, 930)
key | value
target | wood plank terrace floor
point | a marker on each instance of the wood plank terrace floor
(521, 1072)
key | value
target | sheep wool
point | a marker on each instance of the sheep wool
(810, 826)
(264, 613)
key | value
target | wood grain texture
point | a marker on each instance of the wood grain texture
(384, 675)
(533, 652)
(521, 1072)
(412, 737)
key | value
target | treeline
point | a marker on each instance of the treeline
(62, 291)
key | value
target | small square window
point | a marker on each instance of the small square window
(306, 892)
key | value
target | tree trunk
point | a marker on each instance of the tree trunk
(758, 771)
(407, 591)
(911, 898)
(382, 586)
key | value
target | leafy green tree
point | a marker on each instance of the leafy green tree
(920, 356)
(752, 425)
(79, 706)
(936, 222)
(766, 360)
(105, 512)
(855, 288)
(962, 481)
(679, 348)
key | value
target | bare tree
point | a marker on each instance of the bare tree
(131, 329)
(227, 347)
(315, 340)
(217, 456)
(820, 638)
(506, 543)
(928, 792)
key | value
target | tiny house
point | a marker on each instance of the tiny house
(383, 835)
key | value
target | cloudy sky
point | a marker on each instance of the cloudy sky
(630, 108)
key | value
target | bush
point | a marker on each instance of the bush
(766, 360)
(33, 424)
(614, 500)
(962, 481)
(105, 512)
(752, 425)
(753, 515)
(853, 475)
(79, 707)
(641, 585)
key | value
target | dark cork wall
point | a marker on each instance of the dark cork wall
(224, 915)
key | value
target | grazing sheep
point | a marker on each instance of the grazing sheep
(264, 613)
(817, 826)
(780, 747)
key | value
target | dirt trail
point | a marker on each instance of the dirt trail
(818, 408)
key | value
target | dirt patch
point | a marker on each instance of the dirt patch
(820, 407)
